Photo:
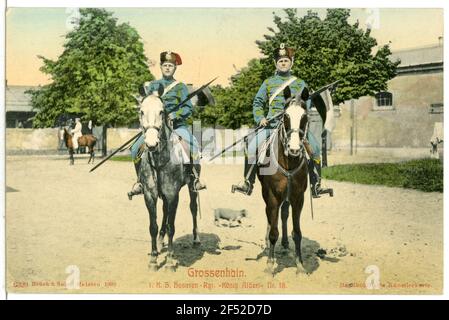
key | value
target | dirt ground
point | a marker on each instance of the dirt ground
(62, 220)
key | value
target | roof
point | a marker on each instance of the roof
(17, 100)
(419, 56)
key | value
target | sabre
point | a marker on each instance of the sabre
(137, 136)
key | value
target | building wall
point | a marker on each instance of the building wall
(408, 125)
(47, 139)
(31, 139)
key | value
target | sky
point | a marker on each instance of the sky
(211, 41)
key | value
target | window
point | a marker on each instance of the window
(384, 99)
(436, 108)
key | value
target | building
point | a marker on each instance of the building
(404, 117)
(19, 112)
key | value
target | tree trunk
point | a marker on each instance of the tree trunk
(104, 149)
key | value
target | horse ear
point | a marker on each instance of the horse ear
(287, 93)
(160, 90)
(305, 94)
(142, 91)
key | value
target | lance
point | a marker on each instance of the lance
(311, 97)
(137, 136)
(244, 137)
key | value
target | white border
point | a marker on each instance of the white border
(208, 3)
(2, 157)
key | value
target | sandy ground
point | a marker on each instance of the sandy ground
(61, 219)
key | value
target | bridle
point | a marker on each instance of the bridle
(285, 136)
(157, 128)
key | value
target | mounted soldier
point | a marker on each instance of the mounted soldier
(76, 133)
(174, 93)
(271, 94)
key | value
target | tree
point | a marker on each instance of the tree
(332, 49)
(102, 65)
(233, 104)
(326, 50)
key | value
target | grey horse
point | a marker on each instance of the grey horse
(162, 177)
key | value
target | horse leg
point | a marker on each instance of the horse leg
(163, 231)
(90, 154)
(194, 212)
(172, 205)
(150, 202)
(72, 160)
(272, 211)
(297, 205)
(284, 218)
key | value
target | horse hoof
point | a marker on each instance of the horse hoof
(152, 267)
(301, 270)
(170, 268)
(196, 242)
(160, 244)
(270, 269)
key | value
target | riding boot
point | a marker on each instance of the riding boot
(315, 179)
(137, 187)
(194, 169)
(250, 178)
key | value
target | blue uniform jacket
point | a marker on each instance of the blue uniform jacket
(172, 98)
(266, 90)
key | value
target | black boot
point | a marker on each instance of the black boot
(137, 187)
(194, 170)
(315, 179)
(250, 178)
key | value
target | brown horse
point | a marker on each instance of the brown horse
(285, 185)
(86, 140)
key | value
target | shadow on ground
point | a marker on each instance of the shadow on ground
(9, 189)
(187, 253)
(310, 250)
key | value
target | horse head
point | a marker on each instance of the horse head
(152, 118)
(295, 121)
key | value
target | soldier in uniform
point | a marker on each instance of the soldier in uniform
(271, 93)
(76, 133)
(174, 93)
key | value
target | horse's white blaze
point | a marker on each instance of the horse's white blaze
(151, 119)
(295, 113)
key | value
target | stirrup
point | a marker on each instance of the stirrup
(246, 188)
(317, 191)
(136, 190)
(198, 186)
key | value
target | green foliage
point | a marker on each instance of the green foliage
(102, 64)
(233, 104)
(326, 50)
(424, 174)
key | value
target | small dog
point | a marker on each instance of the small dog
(230, 215)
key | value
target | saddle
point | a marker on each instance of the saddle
(263, 152)
(180, 151)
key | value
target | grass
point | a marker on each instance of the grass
(424, 174)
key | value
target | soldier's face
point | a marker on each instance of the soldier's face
(284, 65)
(168, 69)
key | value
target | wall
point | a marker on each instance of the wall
(31, 139)
(408, 125)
